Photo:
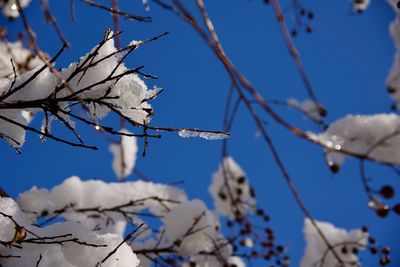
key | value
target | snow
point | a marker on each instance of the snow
(309, 107)
(375, 136)
(89, 256)
(9, 207)
(98, 194)
(92, 83)
(212, 261)
(196, 224)
(187, 228)
(10, 8)
(237, 182)
(23, 62)
(12, 133)
(393, 79)
(185, 133)
(196, 232)
(316, 247)
(135, 43)
(236, 261)
(23, 59)
(28, 116)
(129, 93)
(69, 254)
(124, 155)
(41, 87)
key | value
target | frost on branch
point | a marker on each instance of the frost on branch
(62, 244)
(186, 232)
(373, 136)
(126, 92)
(99, 82)
(99, 205)
(192, 231)
(124, 155)
(231, 190)
(309, 108)
(199, 226)
(22, 58)
(345, 243)
(186, 133)
(10, 8)
(13, 134)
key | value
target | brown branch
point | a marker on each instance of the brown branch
(33, 76)
(39, 260)
(50, 19)
(294, 53)
(115, 11)
(237, 80)
(28, 128)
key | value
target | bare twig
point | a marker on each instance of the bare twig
(116, 11)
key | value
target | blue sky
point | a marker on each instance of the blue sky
(347, 58)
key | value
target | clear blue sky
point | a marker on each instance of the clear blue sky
(347, 57)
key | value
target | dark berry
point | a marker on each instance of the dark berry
(239, 191)
(241, 179)
(382, 212)
(322, 111)
(279, 249)
(334, 167)
(269, 231)
(386, 250)
(396, 209)
(391, 89)
(384, 261)
(387, 191)
(373, 250)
